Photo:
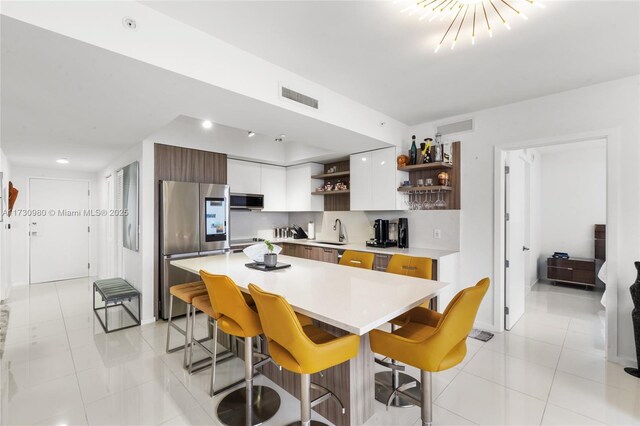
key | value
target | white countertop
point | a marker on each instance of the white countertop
(352, 299)
(417, 252)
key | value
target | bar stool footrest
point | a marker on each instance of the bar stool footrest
(384, 389)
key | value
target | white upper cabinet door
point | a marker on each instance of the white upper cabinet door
(361, 186)
(243, 177)
(299, 188)
(274, 188)
(383, 179)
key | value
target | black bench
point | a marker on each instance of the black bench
(115, 292)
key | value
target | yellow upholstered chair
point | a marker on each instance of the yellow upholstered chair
(387, 381)
(298, 346)
(236, 317)
(358, 259)
(431, 342)
(185, 293)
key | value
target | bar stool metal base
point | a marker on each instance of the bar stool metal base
(313, 423)
(232, 410)
(384, 388)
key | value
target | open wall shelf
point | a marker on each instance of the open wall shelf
(430, 171)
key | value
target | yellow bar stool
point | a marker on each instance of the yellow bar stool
(203, 304)
(431, 342)
(251, 405)
(387, 381)
(185, 292)
(298, 346)
(357, 259)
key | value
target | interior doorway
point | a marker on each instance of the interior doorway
(58, 229)
(554, 224)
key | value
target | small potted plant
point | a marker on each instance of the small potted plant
(271, 258)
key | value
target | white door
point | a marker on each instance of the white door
(515, 240)
(59, 235)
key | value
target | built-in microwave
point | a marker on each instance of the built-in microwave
(247, 201)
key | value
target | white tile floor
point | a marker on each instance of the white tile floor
(60, 368)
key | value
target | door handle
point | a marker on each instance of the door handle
(524, 248)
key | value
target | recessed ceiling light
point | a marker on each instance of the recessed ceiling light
(251, 134)
(62, 161)
(207, 124)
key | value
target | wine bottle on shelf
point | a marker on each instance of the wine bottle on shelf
(438, 154)
(427, 151)
(414, 151)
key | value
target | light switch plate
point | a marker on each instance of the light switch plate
(437, 234)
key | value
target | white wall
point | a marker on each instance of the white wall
(573, 200)
(5, 230)
(535, 224)
(132, 261)
(20, 224)
(613, 106)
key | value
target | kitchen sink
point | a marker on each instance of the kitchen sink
(333, 243)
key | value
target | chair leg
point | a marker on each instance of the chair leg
(169, 322)
(191, 344)
(427, 398)
(305, 399)
(214, 357)
(187, 338)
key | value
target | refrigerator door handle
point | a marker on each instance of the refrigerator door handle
(181, 255)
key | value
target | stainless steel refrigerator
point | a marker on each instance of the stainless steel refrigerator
(194, 222)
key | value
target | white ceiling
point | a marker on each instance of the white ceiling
(370, 52)
(65, 98)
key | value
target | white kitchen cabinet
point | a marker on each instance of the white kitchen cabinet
(244, 177)
(375, 181)
(360, 178)
(274, 188)
(300, 186)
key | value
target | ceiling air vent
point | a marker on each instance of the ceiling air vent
(299, 97)
(460, 126)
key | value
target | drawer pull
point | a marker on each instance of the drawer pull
(327, 250)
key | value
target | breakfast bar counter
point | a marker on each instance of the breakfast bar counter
(342, 300)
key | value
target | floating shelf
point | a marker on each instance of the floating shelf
(330, 175)
(424, 188)
(426, 166)
(330, 192)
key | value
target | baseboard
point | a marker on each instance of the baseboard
(148, 321)
(627, 362)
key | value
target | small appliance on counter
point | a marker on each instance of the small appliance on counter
(381, 238)
(311, 230)
(403, 232)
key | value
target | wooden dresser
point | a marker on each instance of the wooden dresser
(572, 271)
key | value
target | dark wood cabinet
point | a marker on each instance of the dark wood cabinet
(572, 271)
(600, 242)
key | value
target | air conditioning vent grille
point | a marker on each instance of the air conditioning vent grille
(299, 97)
(460, 126)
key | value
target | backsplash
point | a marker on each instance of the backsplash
(359, 226)
(248, 224)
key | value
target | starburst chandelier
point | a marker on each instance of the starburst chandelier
(478, 15)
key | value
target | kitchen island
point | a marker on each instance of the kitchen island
(340, 299)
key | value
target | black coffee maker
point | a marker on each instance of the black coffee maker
(403, 232)
(381, 235)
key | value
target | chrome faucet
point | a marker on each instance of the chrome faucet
(337, 225)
